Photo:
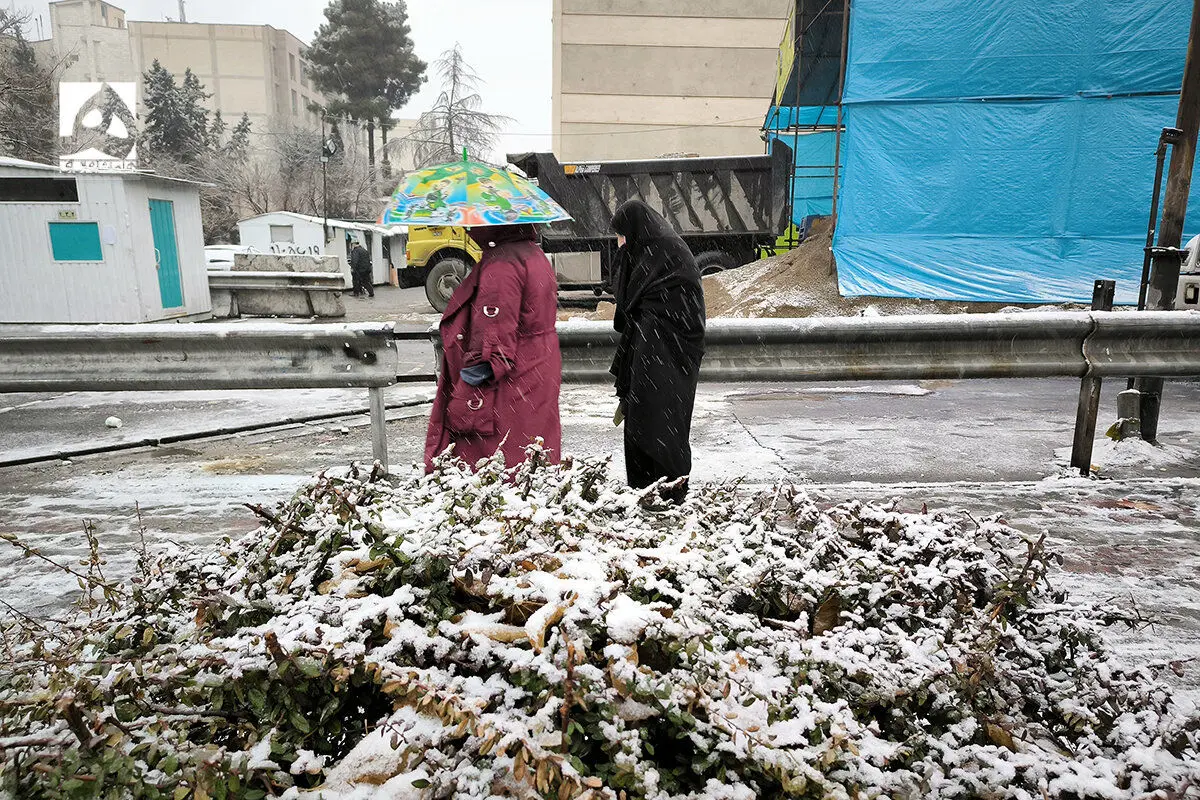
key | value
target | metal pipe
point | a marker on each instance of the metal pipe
(1160, 156)
(794, 121)
(1168, 135)
(837, 144)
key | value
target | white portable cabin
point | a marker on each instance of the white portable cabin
(99, 247)
(289, 233)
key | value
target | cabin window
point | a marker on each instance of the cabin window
(75, 241)
(282, 233)
(39, 190)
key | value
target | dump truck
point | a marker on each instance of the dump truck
(730, 210)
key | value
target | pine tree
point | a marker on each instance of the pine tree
(165, 131)
(363, 57)
(177, 123)
(27, 123)
(195, 111)
(239, 139)
(216, 131)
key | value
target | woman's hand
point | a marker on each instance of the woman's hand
(477, 374)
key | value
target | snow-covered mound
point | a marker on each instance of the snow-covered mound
(550, 633)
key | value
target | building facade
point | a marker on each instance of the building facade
(646, 78)
(258, 70)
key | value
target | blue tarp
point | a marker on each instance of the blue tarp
(779, 118)
(813, 192)
(1003, 151)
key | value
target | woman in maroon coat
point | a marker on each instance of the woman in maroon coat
(502, 369)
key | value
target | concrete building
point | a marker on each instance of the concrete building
(99, 247)
(254, 69)
(645, 78)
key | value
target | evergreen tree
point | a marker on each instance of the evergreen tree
(239, 139)
(165, 130)
(363, 58)
(177, 123)
(28, 127)
(216, 131)
(194, 101)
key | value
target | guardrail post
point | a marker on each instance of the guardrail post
(1103, 293)
(378, 431)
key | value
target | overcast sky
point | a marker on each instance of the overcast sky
(508, 42)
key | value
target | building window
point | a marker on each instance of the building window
(75, 241)
(38, 190)
(282, 233)
(304, 74)
(295, 103)
(292, 66)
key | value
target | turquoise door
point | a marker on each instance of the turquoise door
(166, 252)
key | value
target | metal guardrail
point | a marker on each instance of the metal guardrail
(1018, 345)
(44, 358)
(307, 281)
(165, 357)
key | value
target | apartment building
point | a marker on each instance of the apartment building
(645, 78)
(259, 70)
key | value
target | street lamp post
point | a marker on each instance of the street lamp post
(324, 181)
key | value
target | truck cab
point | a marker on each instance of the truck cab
(439, 257)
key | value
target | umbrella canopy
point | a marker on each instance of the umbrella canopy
(468, 194)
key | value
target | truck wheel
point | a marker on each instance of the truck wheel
(711, 262)
(444, 278)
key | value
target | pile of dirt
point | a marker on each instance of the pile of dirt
(803, 283)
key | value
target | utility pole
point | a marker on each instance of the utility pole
(325, 154)
(1164, 272)
(182, 12)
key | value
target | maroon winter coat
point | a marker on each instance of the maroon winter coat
(502, 313)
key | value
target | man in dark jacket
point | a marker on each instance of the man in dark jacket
(360, 270)
(661, 318)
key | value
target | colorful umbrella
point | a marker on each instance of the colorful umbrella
(468, 194)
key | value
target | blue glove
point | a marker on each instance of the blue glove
(478, 374)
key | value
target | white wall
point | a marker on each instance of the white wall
(643, 78)
(36, 288)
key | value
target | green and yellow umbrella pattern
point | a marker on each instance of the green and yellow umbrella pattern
(469, 194)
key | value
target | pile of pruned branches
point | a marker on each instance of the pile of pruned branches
(547, 632)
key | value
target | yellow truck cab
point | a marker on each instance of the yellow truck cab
(439, 257)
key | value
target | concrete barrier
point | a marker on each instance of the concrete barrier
(296, 299)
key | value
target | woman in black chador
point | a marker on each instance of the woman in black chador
(660, 316)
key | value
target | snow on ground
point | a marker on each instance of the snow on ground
(45, 426)
(1130, 536)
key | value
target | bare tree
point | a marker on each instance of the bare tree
(283, 173)
(456, 121)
